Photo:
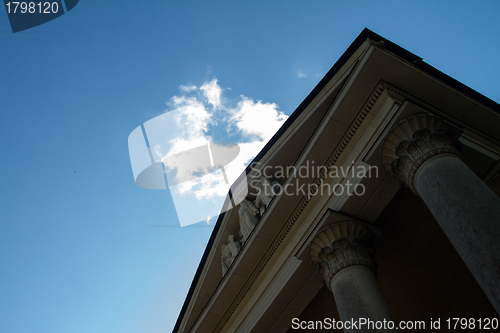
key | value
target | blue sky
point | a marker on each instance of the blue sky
(78, 252)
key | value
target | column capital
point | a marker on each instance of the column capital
(340, 245)
(412, 142)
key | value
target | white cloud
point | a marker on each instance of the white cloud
(258, 119)
(192, 118)
(188, 88)
(212, 91)
(256, 123)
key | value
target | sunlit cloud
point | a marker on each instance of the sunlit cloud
(192, 118)
(257, 119)
(212, 91)
(250, 123)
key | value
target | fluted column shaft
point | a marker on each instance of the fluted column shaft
(341, 252)
(420, 153)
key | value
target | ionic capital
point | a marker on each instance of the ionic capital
(341, 245)
(413, 141)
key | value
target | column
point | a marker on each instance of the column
(342, 253)
(420, 153)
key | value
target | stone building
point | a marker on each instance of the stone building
(377, 199)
